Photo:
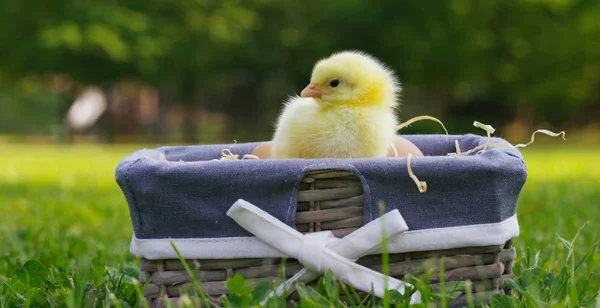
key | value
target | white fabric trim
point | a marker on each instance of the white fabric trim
(312, 250)
(252, 247)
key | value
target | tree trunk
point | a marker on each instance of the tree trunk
(64, 133)
(157, 130)
(522, 125)
(439, 102)
(243, 109)
(107, 126)
(188, 95)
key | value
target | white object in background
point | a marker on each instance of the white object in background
(86, 109)
(320, 251)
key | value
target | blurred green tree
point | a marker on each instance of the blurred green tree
(508, 59)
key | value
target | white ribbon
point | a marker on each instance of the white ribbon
(321, 251)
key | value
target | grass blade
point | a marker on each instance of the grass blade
(195, 283)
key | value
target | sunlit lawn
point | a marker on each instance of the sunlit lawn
(61, 207)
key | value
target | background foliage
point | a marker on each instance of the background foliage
(526, 62)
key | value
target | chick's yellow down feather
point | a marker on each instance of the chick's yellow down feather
(347, 111)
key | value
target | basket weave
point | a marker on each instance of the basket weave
(333, 200)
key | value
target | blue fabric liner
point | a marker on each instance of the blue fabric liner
(189, 199)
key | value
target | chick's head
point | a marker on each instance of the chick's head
(353, 78)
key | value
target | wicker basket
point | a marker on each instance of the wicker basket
(333, 200)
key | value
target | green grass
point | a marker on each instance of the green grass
(65, 228)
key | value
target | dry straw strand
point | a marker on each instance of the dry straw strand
(490, 130)
(422, 186)
(394, 149)
(543, 131)
(480, 148)
(227, 155)
(419, 118)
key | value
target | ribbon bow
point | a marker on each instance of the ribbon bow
(321, 251)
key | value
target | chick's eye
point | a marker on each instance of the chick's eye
(334, 83)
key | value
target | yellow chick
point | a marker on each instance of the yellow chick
(347, 111)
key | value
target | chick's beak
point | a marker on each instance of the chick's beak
(311, 91)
